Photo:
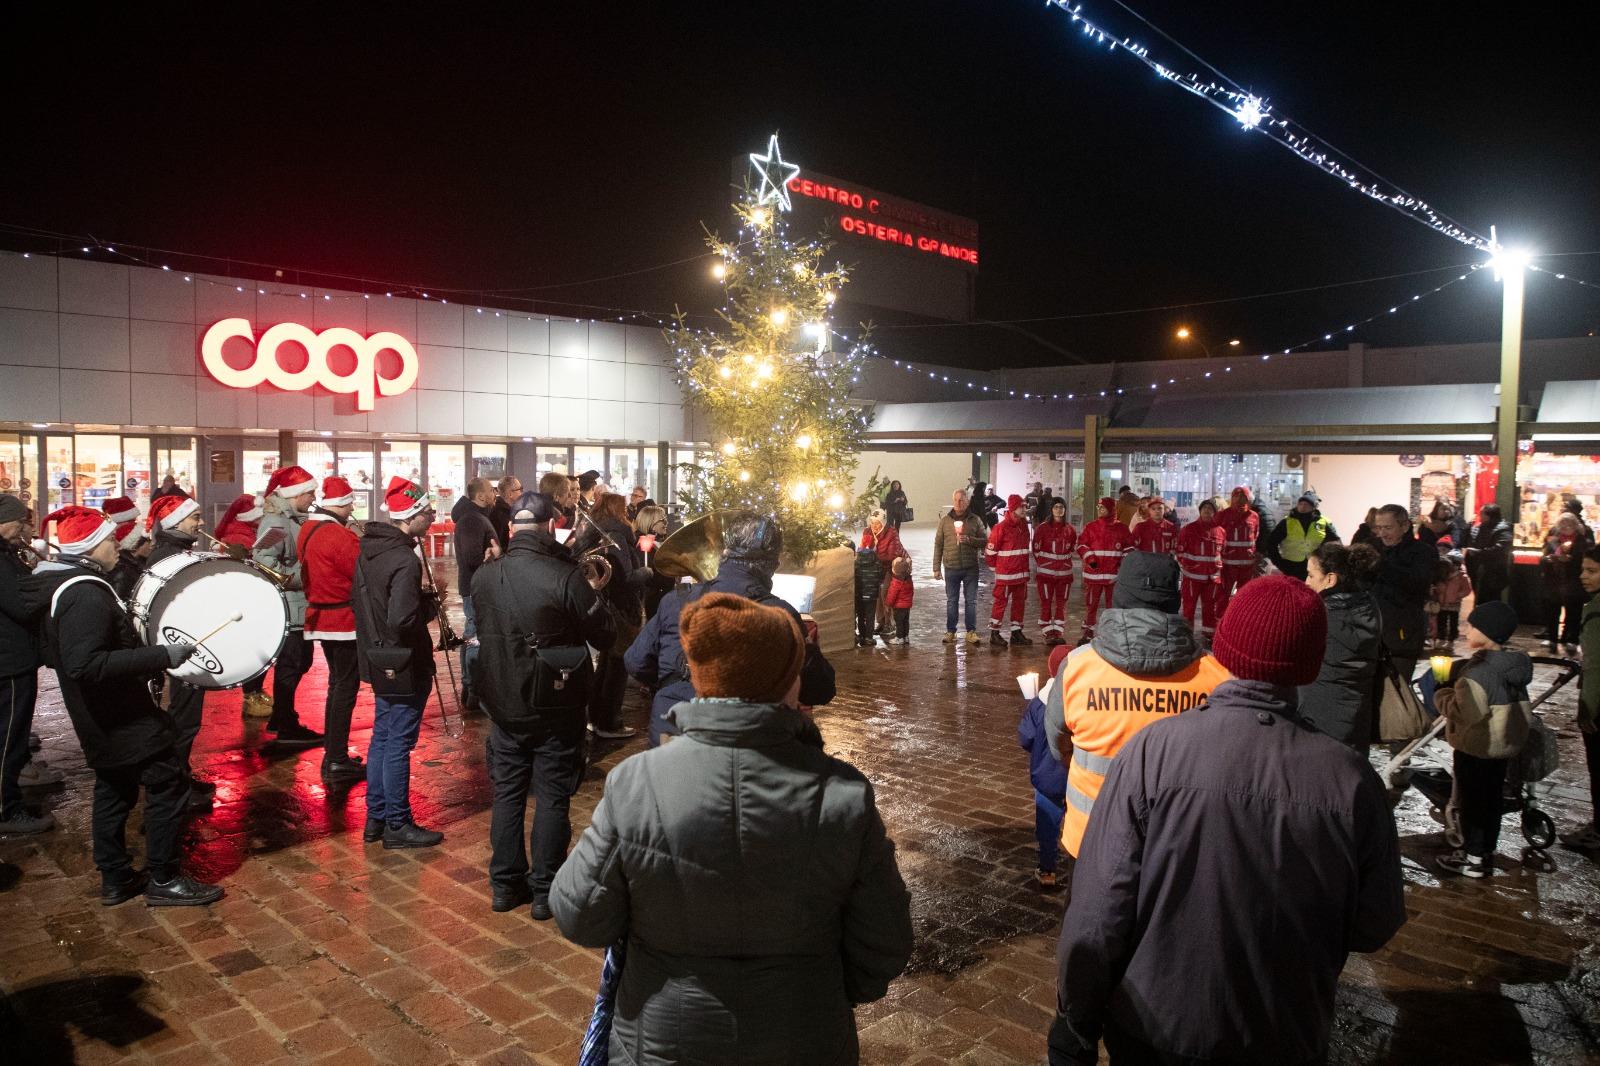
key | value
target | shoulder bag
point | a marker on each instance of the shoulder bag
(1397, 712)
(562, 671)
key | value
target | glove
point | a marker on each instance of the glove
(178, 654)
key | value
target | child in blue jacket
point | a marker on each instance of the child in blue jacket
(1048, 775)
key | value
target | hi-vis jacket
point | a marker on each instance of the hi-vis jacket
(1142, 666)
(1007, 551)
(1200, 551)
(1053, 544)
(1103, 544)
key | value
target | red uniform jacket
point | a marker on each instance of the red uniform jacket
(328, 553)
(1053, 545)
(1240, 530)
(1153, 536)
(1102, 546)
(1007, 551)
(1200, 551)
(900, 593)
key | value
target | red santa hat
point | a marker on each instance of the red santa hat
(246, 508)
(404, 498)
(291, 481)
(79, 529)
(168, 511)
(336, 492)
(120, 510)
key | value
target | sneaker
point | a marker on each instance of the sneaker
(1459, 862)
(114, 893)
(181, 891)
(1046, 878)
(622, 732)
(257, 705)
(972, 636)
(296, 736)
(37, 773)
(996, 640)
(1018, 639)
(540, 909)
(950, 636)
(350, 768)
(1585, 839)
(21, 822)
(410, 835)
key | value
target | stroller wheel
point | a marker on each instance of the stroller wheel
(1537, 828)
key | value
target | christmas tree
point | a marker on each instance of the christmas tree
(772, 383)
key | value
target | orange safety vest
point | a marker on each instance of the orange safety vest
(1104, 708)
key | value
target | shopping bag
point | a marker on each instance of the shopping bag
(1398, 713)
(596, 1048)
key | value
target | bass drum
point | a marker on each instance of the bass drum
(184, 597)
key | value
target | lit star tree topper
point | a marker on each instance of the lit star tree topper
(785, 435)
(775, 175)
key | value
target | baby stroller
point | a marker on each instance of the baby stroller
(1428, 760)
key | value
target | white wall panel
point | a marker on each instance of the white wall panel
(440, 368)
(605, 381)
(89, 288)
(394, 414)
(338, 311)
(28, 282)
(485, 371)
(164, 399)
(528, 375)
(94, 342)
(569, 339)
(336, 411)
(641, 421)
(672, 426)
(485, 329)
(485, 414)
(525, 334)
(605, 420)
(439, 323)
(647, 345)
(439, 412)
(569, 418)
(398, 316)
(95, 396)
(31, 394)
(219, 407)
(607, 342)
(527, 416)
(213, 303)
(569, 378)
(276, 409)
(28, 338)
(164, 347)
(162, 296)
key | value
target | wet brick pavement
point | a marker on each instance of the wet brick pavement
(330, 951)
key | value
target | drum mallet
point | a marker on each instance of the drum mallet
(237, 616)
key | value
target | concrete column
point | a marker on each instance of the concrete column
(1356, 365)
(1092, 428)
(288, 449)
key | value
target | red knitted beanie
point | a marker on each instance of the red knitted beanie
(740, 649)
(1275, 630)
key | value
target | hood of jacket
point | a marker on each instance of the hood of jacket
(727, 723)
(735, 576)
(1509, 669)
(1345, 597)
(1145, 642)
(381, 538)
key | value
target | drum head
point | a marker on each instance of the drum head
(195, 599)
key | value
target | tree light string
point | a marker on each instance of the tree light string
(1564, 277)
(1254, 112)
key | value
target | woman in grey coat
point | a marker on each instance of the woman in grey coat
(1340, 701)
(747, 870)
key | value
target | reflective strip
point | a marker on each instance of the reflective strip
(1095, 764)
(1204, 579)
(1101, 551)
(1010, 551)
(1047, 572)
(1052, 555)
(1199, 558)
(998, 578)
(1238, 562)
(1100, 577)
(1077, 800)
(1240, 543)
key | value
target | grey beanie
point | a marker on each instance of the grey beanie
(1147, 579)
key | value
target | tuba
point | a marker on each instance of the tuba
(694, 549)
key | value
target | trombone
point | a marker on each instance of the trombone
(592, 561)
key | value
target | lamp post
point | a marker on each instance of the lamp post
(1184, 333)
(1509, 267)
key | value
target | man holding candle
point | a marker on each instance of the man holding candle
(957, 544)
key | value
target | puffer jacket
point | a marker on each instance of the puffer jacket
(19, 652)
(1200, 546)
(1103, 544)
(756, 887)
(277, 546)
(1007, 550)
(1053, 545)
(1401, 585)
(952, 552)
(1486, 706)
(1339, 702)
(391, 614)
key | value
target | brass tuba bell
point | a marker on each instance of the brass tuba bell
(693, 549)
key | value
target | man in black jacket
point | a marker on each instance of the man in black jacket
(751, 548)
(127, 740)
(507, 492)
(394, 651)
(537, 618)
(19, 674)
(174, 523)
(476, 543)
(1401, 586)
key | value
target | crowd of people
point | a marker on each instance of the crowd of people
(741, 879)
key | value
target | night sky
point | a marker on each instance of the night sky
(483, 150)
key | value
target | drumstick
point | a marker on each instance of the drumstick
(237, 616)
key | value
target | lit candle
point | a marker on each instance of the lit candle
(1029, 683)
(1441, 668)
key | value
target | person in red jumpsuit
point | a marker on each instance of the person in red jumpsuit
(1241, 526)
(1200, 564)
(1156, 533)
(1101, 547)
(1007, 555)
(1054, 541)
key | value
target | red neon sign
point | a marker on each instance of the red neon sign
(894, 221)
(364, 380)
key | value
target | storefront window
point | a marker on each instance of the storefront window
(136, 471)
(259, 466)
(19, 465)
(585, 458)
(489, 460)
(97, 467)
(354, 464)
(175, 458)
(624, 471)
(1547, 483)
(552, 460)
(651, 474)
(680, 457)
(400, 459)
(447, 475)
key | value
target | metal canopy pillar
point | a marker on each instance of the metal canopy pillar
(1510, 392)
(1093, 428)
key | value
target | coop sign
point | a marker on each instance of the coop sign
(361, 377)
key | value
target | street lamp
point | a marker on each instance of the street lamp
(1508, 265)
(1186, 334)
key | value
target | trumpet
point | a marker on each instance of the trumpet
(592, 562)
(27, 554)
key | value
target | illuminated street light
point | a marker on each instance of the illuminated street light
(1186, 334)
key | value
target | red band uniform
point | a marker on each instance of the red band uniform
(1241, 527)
(1200, 545)
(1007, 554)
(328, 550)
(1054, 541)
(1101, 547)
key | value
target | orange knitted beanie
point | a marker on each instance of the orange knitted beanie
(738, 648)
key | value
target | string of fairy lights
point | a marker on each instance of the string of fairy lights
(1256, 113)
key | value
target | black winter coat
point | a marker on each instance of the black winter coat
(1492, 555)
(1234, 859)
(101, 663)
(535, 590)
(390, 614)
(1401, 585)
(1340, 701)
(474, 531)
(19, 653)
(126, 573)
(656, 657)
(169, 542)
